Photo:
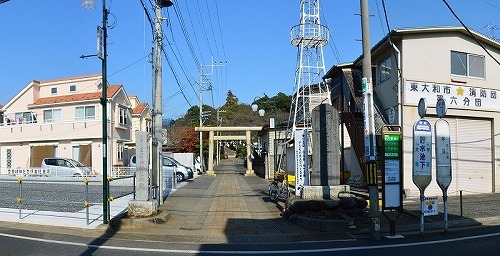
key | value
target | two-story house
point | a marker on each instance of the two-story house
(435, 62)
(63, 118)
(141, 121)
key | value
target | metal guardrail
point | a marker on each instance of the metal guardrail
(20, 199)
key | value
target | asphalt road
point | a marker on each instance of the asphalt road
(467, 242)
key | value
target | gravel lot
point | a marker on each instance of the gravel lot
(55, 196)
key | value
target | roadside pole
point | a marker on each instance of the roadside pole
(443, 155)
(370, 137)
(422, 156)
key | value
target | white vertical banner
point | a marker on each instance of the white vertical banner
(369, 121)
(301, 161)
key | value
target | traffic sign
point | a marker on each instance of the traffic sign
(422, 107)
(100, 43)
(443, 154)
(441, 108)
(422, 154)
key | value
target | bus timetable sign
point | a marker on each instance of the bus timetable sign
(392, 145)
(392, 170)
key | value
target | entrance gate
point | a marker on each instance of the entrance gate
(213, 138)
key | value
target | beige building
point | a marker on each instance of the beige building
(142, 117)
(431, 63)
(63, 118)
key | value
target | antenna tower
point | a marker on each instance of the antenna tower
(309, 90)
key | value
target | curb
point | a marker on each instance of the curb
(322, 225)
(122, 221)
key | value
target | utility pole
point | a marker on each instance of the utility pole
(219, 121)
(156, 176)
(157, 104)
(370, 137)
(205, 79)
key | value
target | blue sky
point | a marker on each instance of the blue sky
(42, 40)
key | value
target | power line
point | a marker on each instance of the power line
(470, 33)
(220, 31)
(195, 36)
(212, 27)
(129, 65)
(148, 16)
(490, 4)
(380, 16)
(186, 34)
(181, 65)
(386, 19)
(175, 76)
(331, 43)
(202, 24)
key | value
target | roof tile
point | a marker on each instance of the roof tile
(138, 110)
(111, 91)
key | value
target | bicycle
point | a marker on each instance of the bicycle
(278, 188)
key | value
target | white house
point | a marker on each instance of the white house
(63, 118)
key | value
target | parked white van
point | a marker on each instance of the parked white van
(65, 167)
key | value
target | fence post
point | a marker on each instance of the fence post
(86, 202)
(19, 199)
(461, 206)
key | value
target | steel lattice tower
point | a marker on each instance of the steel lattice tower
(309, 90)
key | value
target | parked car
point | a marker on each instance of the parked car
(65, 167)
(171, 165)
(197, 166)
(181, 172)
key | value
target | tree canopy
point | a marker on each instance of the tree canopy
(183, 138)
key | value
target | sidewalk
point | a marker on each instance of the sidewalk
(230, 207)
(233, 208)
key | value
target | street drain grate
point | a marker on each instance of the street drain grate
(191, 228)
(267, 226)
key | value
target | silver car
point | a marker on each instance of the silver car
(64, 167)
(170, 165)
(182, 172)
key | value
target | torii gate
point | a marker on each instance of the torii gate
(212, 137)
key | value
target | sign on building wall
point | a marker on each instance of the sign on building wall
(456, 96)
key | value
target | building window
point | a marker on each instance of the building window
(385, 69)
(123, 116)
(72, 88)
(25, 118)
(52, 115)
(85, 113)
(76, 153)
(119, 150)
(149, 125)
(465, 64)
(53, 90)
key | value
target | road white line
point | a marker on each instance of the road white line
(250, 252)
